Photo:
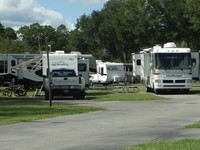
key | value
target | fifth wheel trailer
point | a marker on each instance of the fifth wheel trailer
(27, 69)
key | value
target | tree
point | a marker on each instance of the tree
(9, 33)
(61, 38)
(33, 36)
(38, 37)
(2, 29)
(192, 13)
(122, 27)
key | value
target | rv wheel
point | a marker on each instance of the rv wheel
(148, 89)
(46, 95)
(82, 95)
(157, 91)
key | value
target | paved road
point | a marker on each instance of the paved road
(121, 125)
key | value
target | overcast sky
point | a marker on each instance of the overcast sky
(18, 13)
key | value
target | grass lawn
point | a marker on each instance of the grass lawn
(195, 125)
(14, 110)
(181, 144)
(108, 95)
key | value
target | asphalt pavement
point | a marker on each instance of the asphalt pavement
(122, 124)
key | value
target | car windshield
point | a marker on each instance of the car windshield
(63, 73)
(172, 60)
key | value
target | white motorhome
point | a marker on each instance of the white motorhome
(112, 72)
(167, 68)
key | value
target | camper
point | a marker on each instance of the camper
(166, 68)
(112, 72)
(86, 66)
(64, 77)
(28, 69)
(9, 72)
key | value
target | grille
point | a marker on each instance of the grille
(180, 81)
(167, 81)
(173, 85)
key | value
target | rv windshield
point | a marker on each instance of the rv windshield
(172, 60)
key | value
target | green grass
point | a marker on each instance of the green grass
(108, 95)
(195, 125)
(181, 144)
(23, 110)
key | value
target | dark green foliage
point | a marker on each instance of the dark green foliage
(120, 28)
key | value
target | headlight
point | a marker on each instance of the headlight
(157, 81)
(189, 81)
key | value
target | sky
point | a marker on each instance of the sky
(18, 13)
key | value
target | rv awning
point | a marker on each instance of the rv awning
(21, 65)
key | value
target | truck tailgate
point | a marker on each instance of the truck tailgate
(65, 81)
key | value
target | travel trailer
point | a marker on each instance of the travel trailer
(64, 79)
(168, 68)
(112, 72)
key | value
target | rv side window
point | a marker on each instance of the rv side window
(3, 66)
(138, 62)
(102, 71)
(82, 67)
(129, 68)
(13, 63)
(194, 61)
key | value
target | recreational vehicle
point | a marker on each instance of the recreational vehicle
(168, 68)
(111, 72)
(20, 76)
(64, 77)
(28, 69)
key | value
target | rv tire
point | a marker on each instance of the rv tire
(186, 91)
(148, 89)
(46, 95)
(157, 91)
(80, 95)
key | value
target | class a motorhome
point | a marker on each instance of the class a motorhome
(165, 68)
(112, 72)
(139, 71)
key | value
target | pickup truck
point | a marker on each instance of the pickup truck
(65, 82)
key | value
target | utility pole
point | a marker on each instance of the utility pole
(49, 73)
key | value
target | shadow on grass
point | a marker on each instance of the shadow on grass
(195, 92)
(96, 95)
(16, 100)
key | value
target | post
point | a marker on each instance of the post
(49, 75)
